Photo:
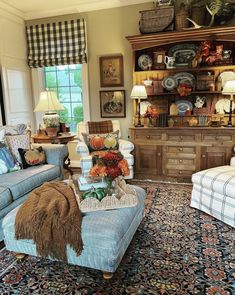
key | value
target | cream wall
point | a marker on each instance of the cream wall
(15, 72)
(107, 31)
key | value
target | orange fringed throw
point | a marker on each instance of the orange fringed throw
(51, 217)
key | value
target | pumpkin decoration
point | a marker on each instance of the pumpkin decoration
(98, 193)
(110, 141)
(97, 142)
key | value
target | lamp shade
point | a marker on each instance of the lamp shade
(229, 88)
(48, 101)
(139, 91)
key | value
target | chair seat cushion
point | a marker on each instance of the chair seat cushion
(23, 181)
(219, 179)
(5, 197)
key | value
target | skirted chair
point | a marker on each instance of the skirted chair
(125, 147)
(214, 192)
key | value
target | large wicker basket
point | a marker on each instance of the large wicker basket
(157, 20)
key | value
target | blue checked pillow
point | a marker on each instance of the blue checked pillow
(7, 163)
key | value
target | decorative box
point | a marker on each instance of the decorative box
(157, 20)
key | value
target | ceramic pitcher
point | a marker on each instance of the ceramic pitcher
(170, 62)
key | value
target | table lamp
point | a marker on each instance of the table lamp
(49, 103)
(139, 92)
(229, 89)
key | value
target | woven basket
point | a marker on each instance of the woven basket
(157, 20)
(181, 21)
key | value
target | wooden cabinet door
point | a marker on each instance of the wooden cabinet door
(214, 157)
(148, 159)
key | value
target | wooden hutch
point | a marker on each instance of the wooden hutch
(179, 151)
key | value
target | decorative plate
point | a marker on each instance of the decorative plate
(145, 62)
(183, 54)
(183, 106)
(226, 76)
(169, 83)
(185, 77)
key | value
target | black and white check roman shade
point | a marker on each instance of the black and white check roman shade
(57, 43)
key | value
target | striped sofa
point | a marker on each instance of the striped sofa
(214, 192)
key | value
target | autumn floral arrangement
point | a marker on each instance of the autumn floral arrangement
(109, 164)
(151, 113)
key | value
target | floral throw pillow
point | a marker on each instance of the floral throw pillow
(7, 163)
(32, 157)
(102, 142)
(15, 142)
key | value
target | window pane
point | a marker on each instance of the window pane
(76, 78)
(76, 94)
(77, 66)
(48, 69)
(64, 94)
(63, 78)
(66, 81)
(68, 108)
(51, 80)
(62, 68)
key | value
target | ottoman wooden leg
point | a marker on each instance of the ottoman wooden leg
(20, 256)
(107, 275)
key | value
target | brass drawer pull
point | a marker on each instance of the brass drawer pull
(203, 156)
(181, 137)
(180, 172)
(180, 161)
(148, 136)
(180, 149)
(159, 154)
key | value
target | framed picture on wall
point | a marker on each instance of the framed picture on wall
(112, 104)
(111, 71)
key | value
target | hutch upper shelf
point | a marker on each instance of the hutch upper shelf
(222, 33)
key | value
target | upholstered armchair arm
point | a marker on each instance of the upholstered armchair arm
(125, 146)
(232, 161)
(55, 153)
(82, 149)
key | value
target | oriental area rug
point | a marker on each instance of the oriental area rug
(176, 250)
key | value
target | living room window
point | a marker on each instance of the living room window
(66, 81)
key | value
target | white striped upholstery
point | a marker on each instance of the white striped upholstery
(214, 193)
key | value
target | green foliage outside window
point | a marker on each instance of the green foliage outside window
(66, 81)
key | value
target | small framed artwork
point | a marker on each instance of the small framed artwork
(111, 71)
(112, 104)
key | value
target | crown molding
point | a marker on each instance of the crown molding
(11, 10)
(83, 7)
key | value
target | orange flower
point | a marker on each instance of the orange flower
(98, 170)
(123, 165)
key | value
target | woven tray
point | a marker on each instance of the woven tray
(107, 203)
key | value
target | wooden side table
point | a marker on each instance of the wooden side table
(62, 138)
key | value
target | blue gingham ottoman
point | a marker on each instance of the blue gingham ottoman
(214, 193)
(105, 234)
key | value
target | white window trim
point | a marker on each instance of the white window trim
(38, 85)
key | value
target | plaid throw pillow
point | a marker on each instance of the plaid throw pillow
(100, 127)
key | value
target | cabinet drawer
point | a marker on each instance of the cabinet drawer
(181, 138)
(221, 138)
(177, 162)
(146, 136)
(181, 149)
(179, 172)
